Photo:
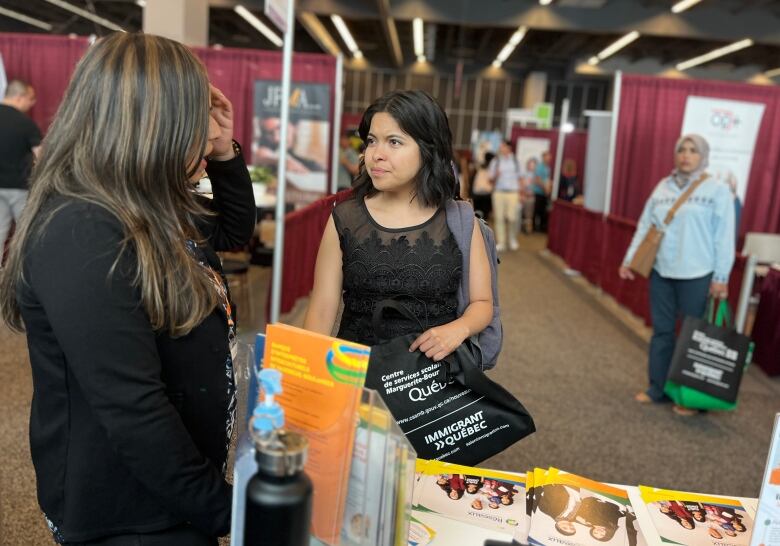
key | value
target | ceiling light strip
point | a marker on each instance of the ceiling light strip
(258, 25)
(346, 36)
(618, 45)
(318, 31)
(683, 5)
(714, 54)
(417, 32)
(510, 46)
(86, 15)
(25, 19)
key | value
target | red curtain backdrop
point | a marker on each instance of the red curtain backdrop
(302, 234)
(46, 62)
(574, 145)
(351, 120)
(649, 124)
(766, 330)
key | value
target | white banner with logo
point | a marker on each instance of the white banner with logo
(731, 128)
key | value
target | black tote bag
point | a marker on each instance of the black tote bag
(709, 356)
(449, 410)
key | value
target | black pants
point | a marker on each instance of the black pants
(183, 535)
(540, 213)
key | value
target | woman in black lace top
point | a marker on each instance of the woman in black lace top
(391, 240)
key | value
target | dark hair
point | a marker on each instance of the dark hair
(422, 118)
(488, 158)
(458, 492)
(690, 522)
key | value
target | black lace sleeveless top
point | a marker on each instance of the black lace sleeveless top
(419, 267)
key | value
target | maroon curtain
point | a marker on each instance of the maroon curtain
(302, 235)
(350, 120)
(576, 235)
(650, 122)
(766, 329)
(46, 62)
(574, 145)
(631, 294)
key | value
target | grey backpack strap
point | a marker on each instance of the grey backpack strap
(460, 220)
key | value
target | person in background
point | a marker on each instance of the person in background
(568, 187)
(114, 277)
(482, 188)
(349, 162)
(20, 141)
(505, 175)
(695, 257)
(541, 191)
(527, 180)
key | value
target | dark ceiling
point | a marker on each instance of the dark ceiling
(542, 49)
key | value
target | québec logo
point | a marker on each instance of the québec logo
(724, 120)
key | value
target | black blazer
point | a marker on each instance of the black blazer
(127, 425)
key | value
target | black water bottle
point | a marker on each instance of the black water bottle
(279, 495)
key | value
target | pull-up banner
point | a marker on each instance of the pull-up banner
(731, 128)
(308, 134)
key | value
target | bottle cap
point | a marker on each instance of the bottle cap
(284, 455)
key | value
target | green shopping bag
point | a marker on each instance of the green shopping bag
(708, 362)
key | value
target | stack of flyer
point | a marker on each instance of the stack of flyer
(677, 517)
(454, 504)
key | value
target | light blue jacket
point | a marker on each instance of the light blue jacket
(700, 238)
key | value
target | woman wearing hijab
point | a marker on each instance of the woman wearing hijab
(694, 259)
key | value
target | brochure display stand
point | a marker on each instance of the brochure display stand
(360, 462)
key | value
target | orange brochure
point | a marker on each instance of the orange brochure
(322, 381)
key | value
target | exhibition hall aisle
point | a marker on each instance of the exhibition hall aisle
(570, 362)
(576, 369)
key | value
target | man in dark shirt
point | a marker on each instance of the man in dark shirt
(20, 140)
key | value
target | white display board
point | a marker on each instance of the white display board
(730, 127)
(597, 160)
(528, 148)
(767, 525)
(3, 81)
